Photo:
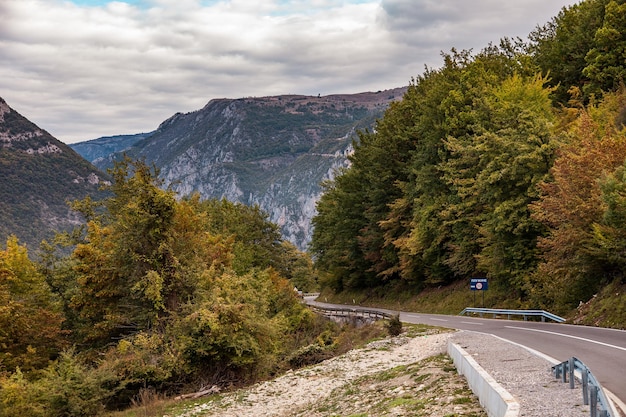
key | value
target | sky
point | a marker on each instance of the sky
(82, 69)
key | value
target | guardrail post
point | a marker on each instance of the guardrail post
(593, 397)
(585, 375)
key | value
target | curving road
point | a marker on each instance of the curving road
(602, 350)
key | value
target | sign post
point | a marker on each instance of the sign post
(479, 284)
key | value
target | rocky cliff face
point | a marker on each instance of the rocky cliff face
(270, 151)
(38, 176)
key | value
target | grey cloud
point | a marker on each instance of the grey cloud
(463, 24)
(87, 72)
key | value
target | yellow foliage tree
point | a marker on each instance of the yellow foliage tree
(30, 316)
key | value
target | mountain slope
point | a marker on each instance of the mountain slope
(270, 151)
(38, 175)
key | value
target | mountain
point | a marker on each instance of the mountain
(98, 151)
(38, 175)
(271, 151)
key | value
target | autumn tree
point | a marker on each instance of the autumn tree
(576, 205)
(167, 291)
(31, 319)
(142, 257)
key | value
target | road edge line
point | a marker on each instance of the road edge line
(618, 408)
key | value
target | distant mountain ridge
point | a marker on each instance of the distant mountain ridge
(38, 176)
(98, 150)
(271, 151)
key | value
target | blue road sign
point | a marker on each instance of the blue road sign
(478, 284)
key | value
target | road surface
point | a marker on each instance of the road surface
(602, 350)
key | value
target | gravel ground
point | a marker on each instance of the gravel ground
(402, 376)
(525, 376)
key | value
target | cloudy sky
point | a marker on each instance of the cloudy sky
(82, 69)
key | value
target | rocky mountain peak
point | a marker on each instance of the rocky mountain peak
(270, 151)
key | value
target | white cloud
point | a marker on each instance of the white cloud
(82, 72)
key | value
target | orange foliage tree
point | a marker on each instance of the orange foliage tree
(572, 206)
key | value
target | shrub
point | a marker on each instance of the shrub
(394, 325)
(66, 388)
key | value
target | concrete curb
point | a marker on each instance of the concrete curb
(496, 400)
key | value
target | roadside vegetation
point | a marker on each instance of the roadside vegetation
(507, 164)
(157, 296)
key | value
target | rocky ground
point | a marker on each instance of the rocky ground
(409, 375)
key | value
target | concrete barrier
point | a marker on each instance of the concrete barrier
(496, 400)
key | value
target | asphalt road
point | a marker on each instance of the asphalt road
(602, 350)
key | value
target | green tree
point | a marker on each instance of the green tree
(560, 48)
(297, 267)
(451, 108)
(395, 213)
(495, 173)
(140, 257)
(609, 234)
(257, 242)
(336, 226)
(606, 66)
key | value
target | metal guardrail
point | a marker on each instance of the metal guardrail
(525, 313)
(351, 312)
(593, 395)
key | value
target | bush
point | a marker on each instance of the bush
(394, 325)
(66, 388)
(16, 397)
(310, 355)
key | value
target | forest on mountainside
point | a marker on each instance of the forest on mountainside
(508, 164)
(39, 174)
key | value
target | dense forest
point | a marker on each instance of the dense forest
(508, 163)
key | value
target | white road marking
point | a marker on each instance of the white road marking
(568, 335)
(439, 319)
(471, 322)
